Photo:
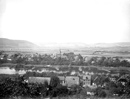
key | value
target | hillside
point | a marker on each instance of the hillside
(121, 46)
(8, 43)
(75, 47)
(117, 47)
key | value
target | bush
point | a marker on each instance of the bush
(102, 94)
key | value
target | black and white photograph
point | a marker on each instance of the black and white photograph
(64, 49)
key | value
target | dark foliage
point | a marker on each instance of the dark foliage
(64, 59)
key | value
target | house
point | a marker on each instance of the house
(113, 79)
(86, 80)
(123, 79)
(127, 59)
(86, 58)
(89, 91)
(62, 80)
(78, 58)
(73, 73)
(71, 80)
(1, 57)
(39, 80)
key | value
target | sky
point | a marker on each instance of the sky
(63, 21)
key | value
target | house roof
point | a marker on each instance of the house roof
(87, 77)
(61, 77)
(39, 80)
(124, 78)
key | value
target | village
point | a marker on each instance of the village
(74, 73)
(84, 79)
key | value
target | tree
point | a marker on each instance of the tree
(125, 63)
(54, 82)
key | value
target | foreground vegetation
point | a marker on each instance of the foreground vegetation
(17, 86)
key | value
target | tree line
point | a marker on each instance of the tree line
(65, 59)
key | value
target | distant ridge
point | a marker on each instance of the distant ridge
(84, 45)
(119, 46)
(8, 43)
(23, 44)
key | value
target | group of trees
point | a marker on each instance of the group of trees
(47, 59)
(108, 61)
(65, 59)
(16, 86)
